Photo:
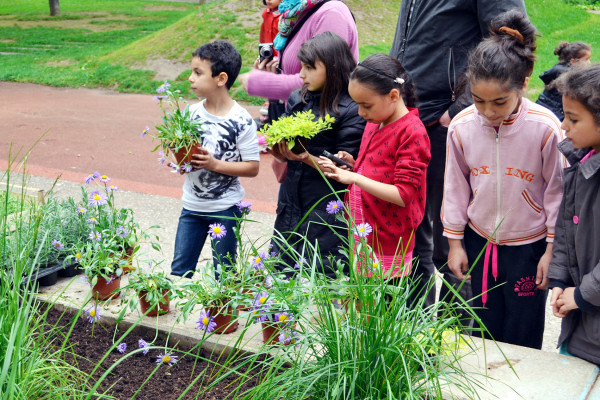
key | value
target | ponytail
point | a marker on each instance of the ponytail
(507, 55)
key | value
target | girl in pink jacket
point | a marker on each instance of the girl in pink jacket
(503, 187)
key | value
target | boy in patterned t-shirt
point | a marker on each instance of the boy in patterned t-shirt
(229, 150)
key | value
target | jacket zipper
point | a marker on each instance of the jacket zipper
(451, 69)
(406, 24)
(498, 176)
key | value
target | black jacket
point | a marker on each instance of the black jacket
(432, 41)
(576, 252)
(551, 97)
(304, 186)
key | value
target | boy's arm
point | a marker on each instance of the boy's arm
(205, 160)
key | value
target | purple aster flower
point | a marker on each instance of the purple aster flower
(86, 280)
(162, 158)
(187, 167)
(163, 88)
(258, 315)
(283, 318)
(274, 254)
(95, 235)
(93, 313)
(110, 279)
(244, 206)
(159, 97)
(113, 188)
(104, 178)
(217, 231)
(301, 262)
(334, 206)
(269, 282)
(122, 348)
(78, 257)
(167, 358)
(121, 231)
(261, 300)
(258, 261)
(363, 230)
(174, 166)
(57, 245)
(205, 322)
(81, 210)
(92, 177)
(142, 344)
(145, 132)
(288, 336)
(96, 199)
(92, 221)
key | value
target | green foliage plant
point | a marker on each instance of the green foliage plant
(150, 281)
(179, 129)
(293, 127)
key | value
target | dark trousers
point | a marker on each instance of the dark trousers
(431, 247)
(514, 312)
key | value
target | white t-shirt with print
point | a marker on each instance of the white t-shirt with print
(229, 138)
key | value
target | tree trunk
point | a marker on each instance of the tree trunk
(54, 7)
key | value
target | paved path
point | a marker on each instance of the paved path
(85, 130)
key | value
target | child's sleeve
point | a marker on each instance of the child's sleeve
(558, 270)
(412, 158)
(553, 176)
(457, 189)
(247, 142)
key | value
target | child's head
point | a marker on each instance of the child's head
(379, 85)
(272, 4)
(327, 62)
(219, 59)
(573, 53)
(500, 66)
(580, 88)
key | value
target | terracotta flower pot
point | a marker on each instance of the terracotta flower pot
(224, 318)
(127, 268)
(159, 309)
(300, 145)
(103, 290)
(250, 294)
(271, 332)
(184, 155)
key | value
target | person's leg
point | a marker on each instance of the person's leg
(492, 312)
(190, 237)
(525, 304)
(224, 249)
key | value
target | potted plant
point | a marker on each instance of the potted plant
(296, 129)
(278, 305)
(113, 236)
(217, 298)
(180, 132)
(151, 288)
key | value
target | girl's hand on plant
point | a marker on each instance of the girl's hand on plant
(203, 160)
(283, 149)
(345, 156)
(334, 172)
(457, 259)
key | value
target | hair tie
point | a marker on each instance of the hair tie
(396, 79)
(512, 32)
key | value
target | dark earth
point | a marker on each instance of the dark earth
(90, 342)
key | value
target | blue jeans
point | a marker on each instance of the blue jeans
(192, 231)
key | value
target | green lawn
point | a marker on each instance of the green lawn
(110, 43)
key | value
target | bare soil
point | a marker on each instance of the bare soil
(89, 343)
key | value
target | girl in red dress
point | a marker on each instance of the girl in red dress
(386, 196)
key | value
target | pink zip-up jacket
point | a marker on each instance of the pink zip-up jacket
(506, 185)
